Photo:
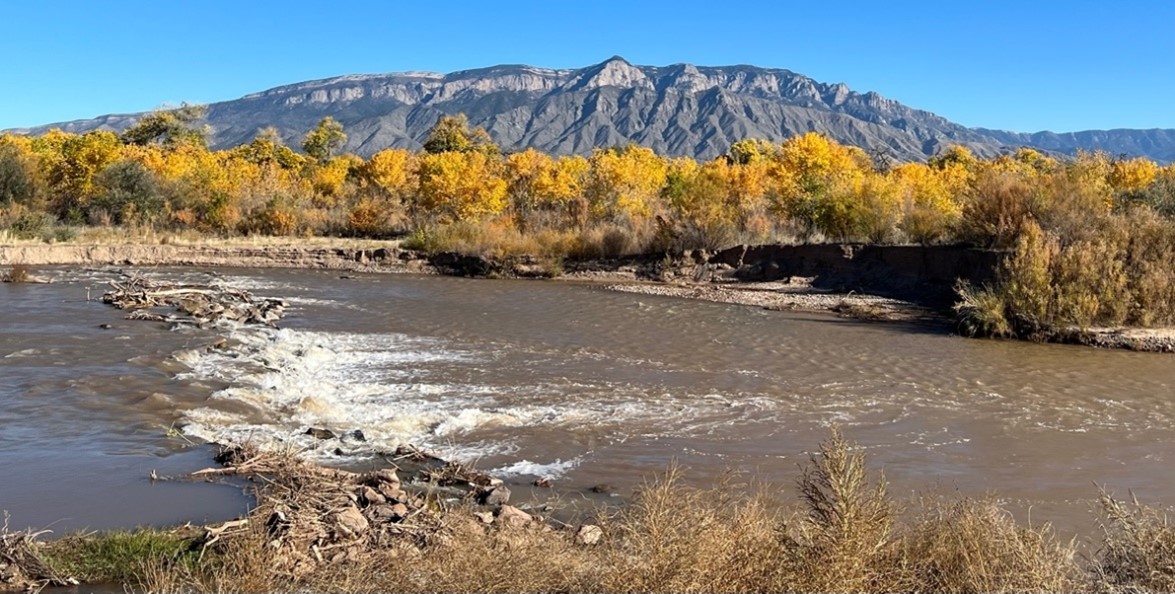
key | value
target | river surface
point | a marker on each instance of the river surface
(551, 379)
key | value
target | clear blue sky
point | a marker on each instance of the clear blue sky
(1022, 65)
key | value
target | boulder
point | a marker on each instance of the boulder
(589, 534)
(512, 516)
(371, 496)
(351, 521)
(319, 433)
(494, 496)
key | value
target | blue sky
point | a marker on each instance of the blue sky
(1027, 65)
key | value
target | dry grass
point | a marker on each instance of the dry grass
(1138, 551)
(846, 535)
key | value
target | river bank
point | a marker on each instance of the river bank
(421, 525)
(873, 283)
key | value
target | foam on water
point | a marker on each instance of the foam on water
(552, 470)
(399, 389)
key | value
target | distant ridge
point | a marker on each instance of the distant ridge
(680, 109)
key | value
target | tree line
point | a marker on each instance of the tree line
(1097, 221)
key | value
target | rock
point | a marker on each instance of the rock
(512, 516)
(319, 433)
(392, 492)
(495, 496)
(355, 435)
(351, 521)
(387, 475)
(589, 535)
(391, 513)
(484, 517)
(371, 496)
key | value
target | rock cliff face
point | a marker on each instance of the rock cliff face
(677, 110)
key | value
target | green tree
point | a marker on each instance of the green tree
(169, 127)
(321, 142)
(18, 182)
(128, 193)
(452, 134)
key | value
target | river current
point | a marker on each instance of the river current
(534, 379)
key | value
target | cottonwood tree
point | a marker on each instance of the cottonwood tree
(169, 127)
(321, 142)
(452, 134)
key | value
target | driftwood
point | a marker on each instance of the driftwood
(22, 565)
(192, 304)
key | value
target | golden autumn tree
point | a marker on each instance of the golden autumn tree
(385, 181)
(816, 181)
(1131, 176)
(624, 184)
(73, 163)
(930, 199)
(460, 186)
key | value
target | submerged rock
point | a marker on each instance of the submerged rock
(319, 433)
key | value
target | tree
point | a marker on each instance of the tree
(751, 150)
(452, 134)
(457, 186)
(268, 148)
(321, 142)
(18, 181)
(169, 127)
(127, 192)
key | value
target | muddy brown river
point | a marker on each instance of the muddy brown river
(549, 379)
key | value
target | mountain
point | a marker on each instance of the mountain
(677, 110)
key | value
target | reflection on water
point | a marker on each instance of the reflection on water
(588, 386)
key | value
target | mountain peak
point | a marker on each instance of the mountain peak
(613, 72)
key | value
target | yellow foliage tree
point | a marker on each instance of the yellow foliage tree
(625, 183)
(459, 186)
(1129, 176)
(930, 199)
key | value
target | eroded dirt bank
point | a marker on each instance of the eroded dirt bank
(355, 259)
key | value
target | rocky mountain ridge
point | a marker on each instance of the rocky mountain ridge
(680, 109)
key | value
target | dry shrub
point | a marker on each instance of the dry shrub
(677, 539)
(981, 312)
(849, 522)
(610, 241)
(996, 208)
(976, 546)
(1138, 553)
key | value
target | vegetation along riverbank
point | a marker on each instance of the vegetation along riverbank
(1078, 249)
(418, 524)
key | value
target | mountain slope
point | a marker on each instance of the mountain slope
(676, 110)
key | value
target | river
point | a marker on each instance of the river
(557, 379)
